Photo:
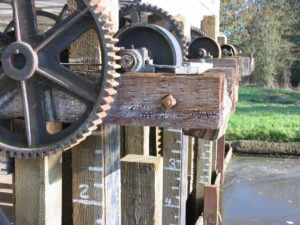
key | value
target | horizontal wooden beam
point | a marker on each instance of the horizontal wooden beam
(201, 102)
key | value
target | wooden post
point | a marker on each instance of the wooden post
(38, 188)
(137, 140)
(212, 202)
(210, 26)
(141, 190)
(203, 154)
(96, 178)
(220, 154)
(96, 162)
(175, 183)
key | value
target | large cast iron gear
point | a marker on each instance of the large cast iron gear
(31, 63)
(229, 50)
(132, 14)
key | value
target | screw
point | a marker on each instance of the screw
(169, 102)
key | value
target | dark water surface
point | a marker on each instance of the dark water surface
(262, 191)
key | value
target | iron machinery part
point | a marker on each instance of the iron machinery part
(162, 46)
(31, 64)
(204, 47)
(229, 50)
(196, 33)
(135, 60)
(139, 12)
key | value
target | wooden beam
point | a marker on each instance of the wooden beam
(211, 211)
(175, 172)
(210, 26)
(38, 191)
(203, 152)
(96, 177)
(141, 190)
(137, 140)
(220, 154)
(201, 107)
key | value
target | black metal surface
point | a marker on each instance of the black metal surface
(204, 47)
(137, 12)
(196, 32)
(31, 64)
(162, 46)
(229, 50)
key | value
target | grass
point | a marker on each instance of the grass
(266, 114)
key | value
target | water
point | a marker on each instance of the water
(262, 191)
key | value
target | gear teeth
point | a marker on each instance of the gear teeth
(110, 91)
(114, 66)
(108, 100)
(113, 74)
(113, 83)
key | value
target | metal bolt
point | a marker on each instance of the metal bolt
(169, 102)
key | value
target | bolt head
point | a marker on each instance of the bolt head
(169, 102)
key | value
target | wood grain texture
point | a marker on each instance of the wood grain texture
(199, 101)
(211, 133)
(141, 190)
(137, 140)
(175, 176)
(212, 202)
(96, 178)
(38, 191)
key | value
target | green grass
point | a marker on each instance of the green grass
(266, 114)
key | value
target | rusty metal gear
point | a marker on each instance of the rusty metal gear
(31, 64)
(133, 13)
(229, 50)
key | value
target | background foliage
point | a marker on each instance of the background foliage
(271, 30)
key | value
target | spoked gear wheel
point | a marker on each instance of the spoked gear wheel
(133, 14)
(31, 64)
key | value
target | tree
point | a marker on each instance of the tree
(262, 27)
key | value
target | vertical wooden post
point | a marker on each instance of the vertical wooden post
(96, 162)
(212, 202)
(141, 190)
(38, 191)
(96, 178)
(210, 26)
(137, 140)
(203, 153)
(220, 154)
(175, 171)
(38, 184)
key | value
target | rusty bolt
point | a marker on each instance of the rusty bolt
(169, 102)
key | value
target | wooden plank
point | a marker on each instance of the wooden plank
(7, 196)
(137, 140)
(41, 180)
(203, 154)
(201, 107)
(96, 178)
(212, 202)
(211, 133)
(232, 82)
(141, 190)
(210, 26)
(175, 172)
(38, 184)
(220, 154)
(200, 102)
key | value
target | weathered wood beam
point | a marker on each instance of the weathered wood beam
(141, 193)
(175, 175)
(137, 140)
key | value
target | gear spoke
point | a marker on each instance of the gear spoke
(73, 82)
(6, 84)
(24, 19)
(61, 30)
(33, 112)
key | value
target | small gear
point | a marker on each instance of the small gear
(133, 13)
(31, 63)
